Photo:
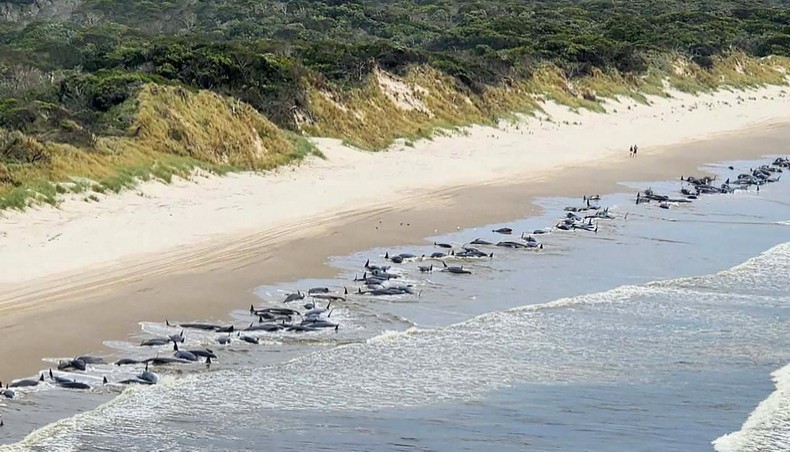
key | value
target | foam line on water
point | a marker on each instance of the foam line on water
(768, 426)
(624, 334)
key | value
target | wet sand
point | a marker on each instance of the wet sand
(74, 313)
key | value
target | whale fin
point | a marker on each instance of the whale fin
(336, 327)
(41, 378)
(167, 322)
(387, 255)
(50, 375)
(175, 347)
(345, 290)
(208, 360)
(252, 309)
(104, 381)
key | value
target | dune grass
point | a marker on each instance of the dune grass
(171, 131)
(368, 119)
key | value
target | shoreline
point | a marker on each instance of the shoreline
(209, 279)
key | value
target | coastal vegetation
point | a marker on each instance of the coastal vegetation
(99, 94)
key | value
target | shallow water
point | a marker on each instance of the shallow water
(660, 332)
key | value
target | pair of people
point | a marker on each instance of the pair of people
(632, 151)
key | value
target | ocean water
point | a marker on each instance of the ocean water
(666, 330)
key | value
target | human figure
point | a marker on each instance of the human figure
(635, 150)
(631, 151)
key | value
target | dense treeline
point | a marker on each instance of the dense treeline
(68, 67)
(257, 50)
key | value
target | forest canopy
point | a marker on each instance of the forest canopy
(98, 51)
(70, 68)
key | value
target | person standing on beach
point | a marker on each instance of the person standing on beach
(631, 151)
(635, 150)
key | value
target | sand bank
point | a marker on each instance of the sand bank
(85, 272)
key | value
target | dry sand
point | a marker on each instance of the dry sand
(87, 272)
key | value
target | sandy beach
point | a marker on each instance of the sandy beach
(83, 273)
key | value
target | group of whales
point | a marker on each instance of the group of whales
(377, 280)
(382, 280)
(756, 177)
(314, 318)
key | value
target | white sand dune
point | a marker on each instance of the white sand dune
(156, 217)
